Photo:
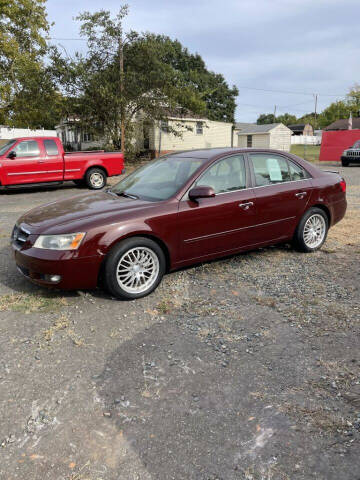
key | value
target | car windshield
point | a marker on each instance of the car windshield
(159, 179)
(356, 144)
(6, 146)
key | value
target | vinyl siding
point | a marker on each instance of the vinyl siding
(215, 134)
(280, 138)
(259, 140)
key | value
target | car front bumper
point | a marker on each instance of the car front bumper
(75, 272)
(350, 158)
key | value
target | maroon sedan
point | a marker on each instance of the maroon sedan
(178, 210)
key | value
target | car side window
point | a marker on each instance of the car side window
(226, 175)
(296, 172)
(27, 148)
(51, 147)
(270, 169)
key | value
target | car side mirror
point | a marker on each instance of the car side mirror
(201, 191)
(12, 154)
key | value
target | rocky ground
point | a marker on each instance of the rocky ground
(243, 368)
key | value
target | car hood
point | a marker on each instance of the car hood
(80, 212)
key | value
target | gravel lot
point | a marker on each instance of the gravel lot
(243, 368)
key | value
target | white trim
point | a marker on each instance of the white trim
(33, 173)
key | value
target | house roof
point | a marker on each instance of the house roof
(343, 124)
(250, 128)
(297, 128)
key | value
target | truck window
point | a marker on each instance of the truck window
(6, 146)
(51, 147)
(27, 148)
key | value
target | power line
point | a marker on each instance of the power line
(290, 92)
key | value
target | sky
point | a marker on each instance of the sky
(277, 52)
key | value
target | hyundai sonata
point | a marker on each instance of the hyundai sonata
(178, 210)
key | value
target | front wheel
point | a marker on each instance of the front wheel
(312, 230)
(95, 178)
(134, 268)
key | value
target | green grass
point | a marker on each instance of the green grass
(309, 152)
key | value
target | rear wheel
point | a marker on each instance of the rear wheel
(312, 230)
(95, 178)
(134, 268)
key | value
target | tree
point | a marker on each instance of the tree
(159, 76)
(265, 118)
(333, 112)
(353, 100)
(26, 91)
(286, 119)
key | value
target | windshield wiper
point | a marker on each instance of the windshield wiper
(125, 194)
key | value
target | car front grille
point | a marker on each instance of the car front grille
(19, 235)
(353, 153)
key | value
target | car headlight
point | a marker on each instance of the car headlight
(70, 241)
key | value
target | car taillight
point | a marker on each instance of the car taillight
(343, 185)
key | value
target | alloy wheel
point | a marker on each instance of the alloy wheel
(314, 231)
(137, 270)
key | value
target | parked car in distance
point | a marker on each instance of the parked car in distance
(180, 209)
(351, 155)
(39, 160)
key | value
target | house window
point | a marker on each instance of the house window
(164, 125)
(87, 137)
(249, 141)
(199, 128)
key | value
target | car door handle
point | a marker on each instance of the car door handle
(246, 205)
(300, 194)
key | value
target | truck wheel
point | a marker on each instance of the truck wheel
(344, 163)
(95, 178)
(134, 268)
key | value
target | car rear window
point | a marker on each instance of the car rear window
(270, 169)
(51, 147)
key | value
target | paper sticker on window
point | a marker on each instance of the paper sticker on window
(274, 169)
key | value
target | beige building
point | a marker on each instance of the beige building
(273, 135)
(302, 129)
(191, 133)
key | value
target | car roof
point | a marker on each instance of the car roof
(210, 153)
(203, 153)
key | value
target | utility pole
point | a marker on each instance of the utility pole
(316, 100)
(122, 116)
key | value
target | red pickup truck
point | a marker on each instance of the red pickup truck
(43, 160)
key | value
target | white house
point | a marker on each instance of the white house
(272, 135)
(157, 137)
(191, 133)
(73, 137)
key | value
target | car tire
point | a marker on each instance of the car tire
(344, 163)
(95, 178)
(311, 231)
(134, 268)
